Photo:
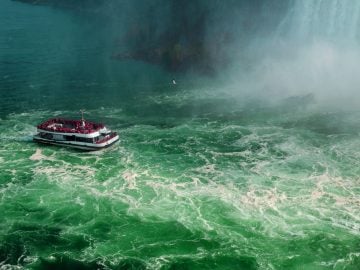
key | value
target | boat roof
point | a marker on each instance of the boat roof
(62, 125)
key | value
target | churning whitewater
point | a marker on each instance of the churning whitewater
(257, 169)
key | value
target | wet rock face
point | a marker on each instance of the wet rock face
(178, 44)
(186, 35)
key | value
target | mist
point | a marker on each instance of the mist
(266, 49)
(270, 49)
(311, 51)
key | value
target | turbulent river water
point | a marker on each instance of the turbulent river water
(200, 179)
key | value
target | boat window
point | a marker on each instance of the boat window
(48, 136)
(70, 138)
(87, 140)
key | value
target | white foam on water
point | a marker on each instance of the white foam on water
(79, 201)
(130, 179)
(37, 155)
(65, 173)
(249, 186)
(348, 261)
(253, 202)
(10, 267)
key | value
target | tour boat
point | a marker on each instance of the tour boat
(79, 134)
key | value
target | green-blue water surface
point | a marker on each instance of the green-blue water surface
(199, 180)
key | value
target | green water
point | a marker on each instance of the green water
(201, 179)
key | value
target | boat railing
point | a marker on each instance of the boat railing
(77, 126)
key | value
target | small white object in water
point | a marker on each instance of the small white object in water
(173, 81)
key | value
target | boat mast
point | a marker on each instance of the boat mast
(82, 118)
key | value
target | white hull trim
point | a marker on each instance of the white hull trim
(78, 145)
(83, 135)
